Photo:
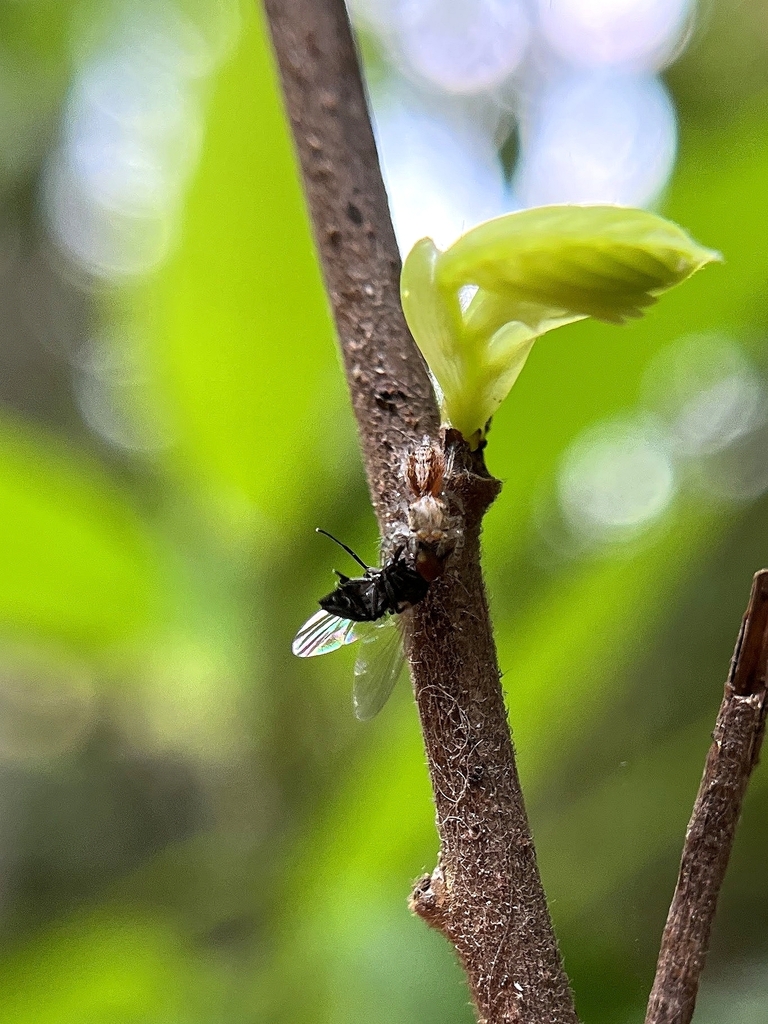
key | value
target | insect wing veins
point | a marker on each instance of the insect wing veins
(366, 608)
(323, 633)
(378, 667)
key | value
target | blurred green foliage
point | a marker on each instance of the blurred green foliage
(195, 829)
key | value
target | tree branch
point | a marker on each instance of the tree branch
(390, 388)
(486, 894)
(735, 750)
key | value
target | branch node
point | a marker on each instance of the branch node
(469, 480)
(429, 899)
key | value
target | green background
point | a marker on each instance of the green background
(194, 828)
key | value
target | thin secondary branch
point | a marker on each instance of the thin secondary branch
(486, 894)
(735, 750)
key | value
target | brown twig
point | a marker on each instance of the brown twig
(325, 101)
(735, 749)
(485, 895)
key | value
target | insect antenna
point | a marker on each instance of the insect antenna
(349, 551)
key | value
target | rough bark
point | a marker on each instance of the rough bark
(388, 381)
(735, 749)
(485, 895)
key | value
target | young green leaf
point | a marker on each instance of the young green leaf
(476, 309)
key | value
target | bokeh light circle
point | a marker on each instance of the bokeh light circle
(640, 35)
(616, 480)
(442, 174)
(466, 46)
(596, 138)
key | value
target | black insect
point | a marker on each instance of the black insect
(363, 608)
(378, 592)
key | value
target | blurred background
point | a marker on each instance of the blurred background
(193, 826)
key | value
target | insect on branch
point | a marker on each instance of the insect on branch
(490, 903)
(485, 894)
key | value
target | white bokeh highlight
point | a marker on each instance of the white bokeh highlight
(114, 393)
(131, 137)
(637, 35)
(465, 46)
(714, 401)
(442, 174)
(708, 391)
(595, 122)
(616, 480)
(596, 138)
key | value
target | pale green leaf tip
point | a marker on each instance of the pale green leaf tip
(710, 256)
(532, 271)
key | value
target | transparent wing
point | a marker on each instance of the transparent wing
(323, 633)
(377, 668)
